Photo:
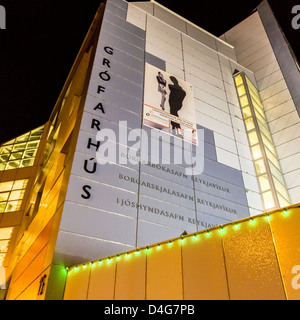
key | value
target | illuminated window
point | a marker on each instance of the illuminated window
(20, 152)
(5, 236)
(270, 179)
(11, 195)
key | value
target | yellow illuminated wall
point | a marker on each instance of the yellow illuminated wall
(255, 258)
(30, 266)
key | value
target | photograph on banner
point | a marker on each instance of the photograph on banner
(169, 104)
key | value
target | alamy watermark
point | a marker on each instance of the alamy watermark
(143, 146)
(2, 17)
(296, 19)
(296, 278)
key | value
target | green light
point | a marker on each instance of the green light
(195, 237)
(100, 261)
(207, 233)
(236, 226)
(170, 243)
(251, 221)
(285, 212)
(158, 247)
(118, 257)
(137, 252)
(181, 239)
(221, 229)
(147, 250)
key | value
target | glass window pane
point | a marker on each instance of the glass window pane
(2, 207)
(280, 188)
(6, 186)
(32, 145)
(282, 202)
(244, 101)
(16, 195)
(30, 153)
(16, 156)
(251, 85)
(276, 173)
(20, 184)
(268, 200)
(241, 90)
(253, 138)
(6, 149)
(238, 80)
(19, 147)
(260, 112)
(256, 152)
(4, 196)
(260, 167)
(27, 162)
(13, 206)
(13, 165)
(5, 233)
(10, 142)
(273, 159)
(249, 124)
(264, 183)
(36, 134)
(268, 144)
(264, 130)
(22, 138)
(4, 157)
(257, 104)
(3, 246)
(246, 112)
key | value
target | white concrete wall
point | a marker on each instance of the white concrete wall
(208, 64)
(254, 51)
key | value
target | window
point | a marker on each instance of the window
(270, 179)
(20, 152)
(11, 195)
(5, 236)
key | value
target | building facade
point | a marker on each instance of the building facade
(161, 129)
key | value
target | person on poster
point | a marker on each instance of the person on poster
(162, 89)
(176, 97)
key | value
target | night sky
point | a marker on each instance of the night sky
(42, 39)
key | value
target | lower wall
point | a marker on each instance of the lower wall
(255, 258)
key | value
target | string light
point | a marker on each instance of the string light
(236, 225)
(251, 221)
(285, 212)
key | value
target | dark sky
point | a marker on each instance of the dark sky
(42, 39)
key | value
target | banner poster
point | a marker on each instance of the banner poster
(169, 104)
